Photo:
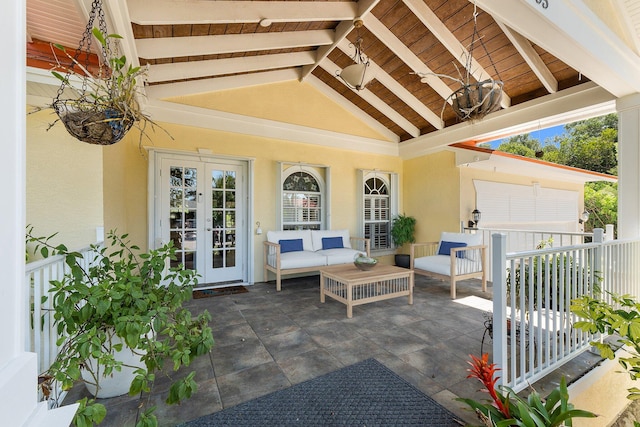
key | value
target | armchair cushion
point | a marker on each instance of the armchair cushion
(445, 248)
(290, 245)
(332, 242)
(469, 239)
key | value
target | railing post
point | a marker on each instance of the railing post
(499, 263)
(609, 232)
(599, 238)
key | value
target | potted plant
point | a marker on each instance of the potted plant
(124, 302)
(506, 408)
(403, 229)
(106, 106)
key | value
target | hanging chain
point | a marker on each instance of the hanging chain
(475, 29)
(84, 48)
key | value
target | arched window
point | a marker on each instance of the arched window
(302, 199)
(377, 211)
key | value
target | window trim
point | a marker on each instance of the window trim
(393, 188)
(285, 169)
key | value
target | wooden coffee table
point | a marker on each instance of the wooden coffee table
(349, 285)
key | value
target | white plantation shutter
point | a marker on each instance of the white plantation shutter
(527, 207)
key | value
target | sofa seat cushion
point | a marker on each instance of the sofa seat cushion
(339, 255)
(317, 235)
(299, 259)
(441, 264)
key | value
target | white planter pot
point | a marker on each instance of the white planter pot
(117, 383)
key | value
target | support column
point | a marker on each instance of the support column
(628, 166)
(18, 377)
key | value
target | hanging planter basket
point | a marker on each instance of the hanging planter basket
(93, 123)
(474, 101)
(104, 107)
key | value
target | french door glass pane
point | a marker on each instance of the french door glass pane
(182, 214)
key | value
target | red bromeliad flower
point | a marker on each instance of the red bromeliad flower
(486, 373)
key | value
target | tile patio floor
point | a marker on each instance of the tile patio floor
(267, 340)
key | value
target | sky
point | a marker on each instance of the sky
(541, 135)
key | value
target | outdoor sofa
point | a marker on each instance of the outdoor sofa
(457, 256)
(303, 251)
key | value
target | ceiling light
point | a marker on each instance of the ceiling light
(358, 75)
(265, 22)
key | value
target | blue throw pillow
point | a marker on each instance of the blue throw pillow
(332, 242)
(290, 245)
(445, 248)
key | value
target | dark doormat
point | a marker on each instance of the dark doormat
(364, 394)
(207, 293)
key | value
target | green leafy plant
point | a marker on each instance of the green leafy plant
(107, 106)
(506, 408)
(621, 317)
(131, 295)
(403, 230)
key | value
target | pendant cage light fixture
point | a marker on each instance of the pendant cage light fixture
(358, 75)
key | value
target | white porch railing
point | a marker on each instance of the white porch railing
(532, 292)
(43, 334)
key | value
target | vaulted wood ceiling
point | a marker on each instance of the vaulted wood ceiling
(201, 46)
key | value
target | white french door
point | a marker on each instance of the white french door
(202, 211)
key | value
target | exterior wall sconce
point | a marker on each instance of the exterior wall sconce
(258, 228)
(584, 217)
(476, 216)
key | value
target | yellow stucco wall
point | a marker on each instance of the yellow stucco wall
(64, 183)
(430, 188)
(277, 102)
(125, 183)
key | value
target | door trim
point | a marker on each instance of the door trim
(153, 201)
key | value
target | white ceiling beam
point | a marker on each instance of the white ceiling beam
(569, 105)
(194, 87)
(453, 45)
(352, 108)
(570, 31)
(395, 87)
(167, 12)
(171, 47)
(341, 31)
(406, 55)
(187, 115)
(376, 102)
(531, 57)
(219, 67)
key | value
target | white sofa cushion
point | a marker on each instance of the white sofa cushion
(298, 260)
(339, 256)
(317, 235)
(305, 235)
(469, 239)
(441, 264)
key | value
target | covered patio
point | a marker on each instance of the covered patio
(265, 126)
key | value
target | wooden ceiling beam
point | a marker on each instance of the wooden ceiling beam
(531, 57)
(407, 56)
(395, 87)
(167, 12)
(352, 108)
(453, 45)
(343, 28)
(376, 102)
(219, 67)
(193, 87)
(171, 47)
